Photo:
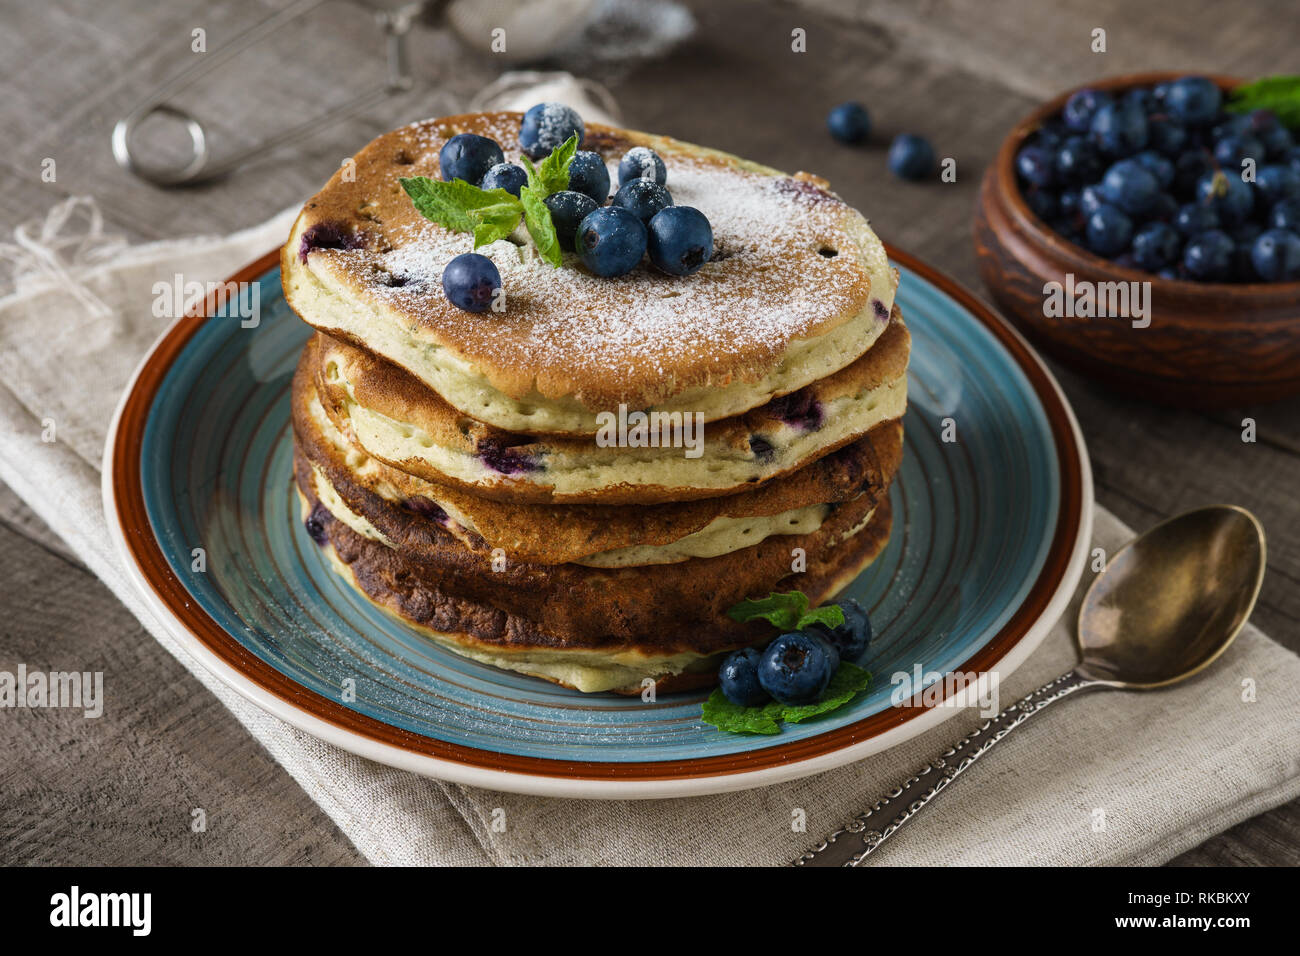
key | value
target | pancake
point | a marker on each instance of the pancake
(799, 287)
(397, 419)
(591, 629)
(600, 535)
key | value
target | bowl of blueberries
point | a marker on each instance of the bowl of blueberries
(1145, 230)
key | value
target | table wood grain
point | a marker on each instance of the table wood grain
(957, 72)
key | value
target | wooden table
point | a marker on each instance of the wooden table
(960, 73)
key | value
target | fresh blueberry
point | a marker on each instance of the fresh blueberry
(1109, 231)
(1292, 159)
(1193, 100)
(1231, 198)
(1189, 168)
(1034, 164)
(1090, 199)
(1208, 256)
(1230, 126)
(1130, 187)
(546, 126)
(1285, 215)
(568, 209)
(317, 524)
(1158, 166)
(641, 162)
(1243, 239)
(1051, 134)
(1231, 151)
(468, 157)
(642, 198)
(471, 281)
(1194, 218)
(911, 157)
(1077, 161)
(505, 176)
(680, 240)
(1081, 107)
(1275, 183)
(611, 241)
(589, 175)
(1159, 92)
(1067, 203)
(1142, 98)
(1155, 246)
(1276, 256)
(796, 667)
(850, 638)
(1166, 135)
(849, 122)
(1268, 129)
(1164, 209)
(738, 678)
(1044, 203)
(1119, 129)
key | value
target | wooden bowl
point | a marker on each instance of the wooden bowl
(1207, 343)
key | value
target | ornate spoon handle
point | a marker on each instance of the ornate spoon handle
(854, 842)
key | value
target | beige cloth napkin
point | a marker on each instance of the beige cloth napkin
(1103, 778)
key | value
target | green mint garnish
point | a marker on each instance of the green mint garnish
(492, 214)
(787, 612)
(537, 219)
(1281, 94)
(765, 719)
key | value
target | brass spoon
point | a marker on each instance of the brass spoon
(1163, 609)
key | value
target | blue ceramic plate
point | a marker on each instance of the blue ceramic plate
(990, 532)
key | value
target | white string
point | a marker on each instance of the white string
(42, 251)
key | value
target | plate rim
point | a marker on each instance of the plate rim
(184, 620)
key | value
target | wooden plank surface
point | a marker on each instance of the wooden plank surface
(960, 73)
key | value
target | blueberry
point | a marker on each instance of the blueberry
(1119, 129)
(849, 122)
(1190, 167)
(1158, 166)
(1130, 187)
(1166, 135)
(1164, 209)
(1243, 239)
(1142, 98)
(1231, 151)
(1077, 161)
(468, 157)
(642, 198)
(1109, 231)
(1208, 256)
(589, 175)
(738, 678)
(1067, 203)
(1034, 164)
(641, 162)
(1043, 203)
(317, 524)
(1050, 135)
(1195, 218)
(546, 126)
(1292, 159)
(680, 240)
(911, 157)
(1090, 199)
(1194, 100)
(1285, 215)
(611, 241)
(795, 668)
(1081, 107)
(505, 176)
(471, 281)
(1231, 198)
(1276, 256)
(1276, 182)
(1155, 246)
(851, 638)
(568, 209)
(1231, 126)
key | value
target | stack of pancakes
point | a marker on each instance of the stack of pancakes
(466, 472)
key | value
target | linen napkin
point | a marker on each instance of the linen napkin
(1106, 778)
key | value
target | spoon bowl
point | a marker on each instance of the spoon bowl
(1172, 600)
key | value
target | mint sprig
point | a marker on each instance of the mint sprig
(845, 684)
(787, 612)
(1280, 94)
(492, 214)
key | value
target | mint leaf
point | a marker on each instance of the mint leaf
(537, 218)
(552, 176)
(784, 611)
(845, 684)
(490, 214)
(832, 615)
(1281, 94)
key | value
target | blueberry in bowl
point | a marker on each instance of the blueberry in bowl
(1145, 231)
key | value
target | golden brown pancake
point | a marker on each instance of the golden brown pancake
(798, 287)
